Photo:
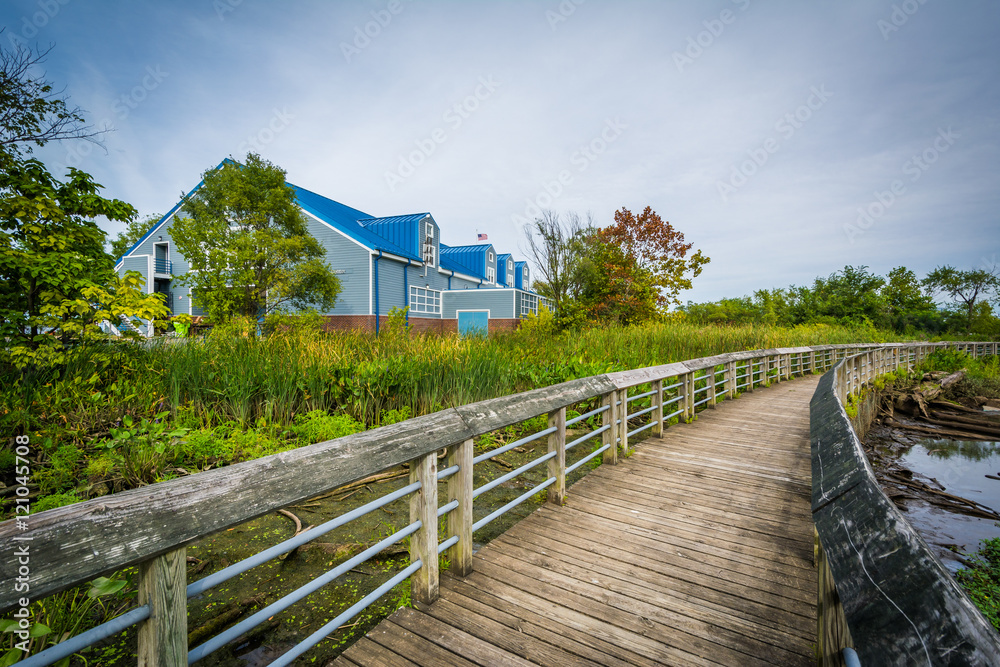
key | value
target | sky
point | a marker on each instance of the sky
(784, 139)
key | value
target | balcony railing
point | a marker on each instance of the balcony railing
(162, 265)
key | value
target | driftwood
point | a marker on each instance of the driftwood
(944, 499)
(213, 625)
(361, 483)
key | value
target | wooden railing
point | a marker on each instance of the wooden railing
(882, 592)
(151, 526)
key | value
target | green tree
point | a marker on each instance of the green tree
(248, 246)
(56, 282)
(135, 229)
(965, 287)
(851, 296)
(907, 304)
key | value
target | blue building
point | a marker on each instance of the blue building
(382, 263)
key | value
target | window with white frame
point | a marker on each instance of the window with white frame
(529, 304)
(491, 255)
(491, 274)
(430, 250)
(425, 300)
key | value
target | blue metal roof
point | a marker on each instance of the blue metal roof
(471, 259)
(403, 230)
(345, 219)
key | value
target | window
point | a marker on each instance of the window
(529, 304)
(429, 250)
(491, 274)
(425, 300)
(491, 255)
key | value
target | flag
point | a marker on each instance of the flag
(481, 237)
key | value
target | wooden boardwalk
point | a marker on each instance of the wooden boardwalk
(695, 550)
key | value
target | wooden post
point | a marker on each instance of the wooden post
(460, 518)
(162, 585)
(686, 401)
(788, 365)
(731, 379)
(657, 414)
(710, 387)
(424, 542)
(610, 436)
(623, 415)
(812, 362)
(557, 464)
(750, 374)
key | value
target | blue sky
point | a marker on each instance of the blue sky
(784, 139)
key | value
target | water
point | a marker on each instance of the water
(960, 466)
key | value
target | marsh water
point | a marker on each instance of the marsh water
(960, 467)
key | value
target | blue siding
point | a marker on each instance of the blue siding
(350, 262)
(522, 276)
(500, 302)
(390, 285)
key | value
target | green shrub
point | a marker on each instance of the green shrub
(317, 426)
(53, 501)
(982, 580)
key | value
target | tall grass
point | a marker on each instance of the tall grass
(247, 379)
(232, 377)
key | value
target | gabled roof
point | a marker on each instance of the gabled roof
(469, 259)
(339, 216)
(345, 219)
(159, 223)
(401, 230)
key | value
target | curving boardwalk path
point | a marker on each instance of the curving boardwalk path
(696, 550)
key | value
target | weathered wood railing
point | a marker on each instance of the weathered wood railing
(151, 526)
(882, 592)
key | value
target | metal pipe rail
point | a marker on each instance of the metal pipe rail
(151, 526)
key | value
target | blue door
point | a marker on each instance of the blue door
(473, 322)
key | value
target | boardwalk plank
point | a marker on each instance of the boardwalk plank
(695, 550)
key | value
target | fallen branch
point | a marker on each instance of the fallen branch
(379, 478)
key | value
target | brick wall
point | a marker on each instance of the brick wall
(498, 325)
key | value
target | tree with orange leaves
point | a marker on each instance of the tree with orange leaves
(644, 264)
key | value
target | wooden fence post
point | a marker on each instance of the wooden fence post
(731, 379)
(657, 428)
(686, 401)
(163, 637)
(710, 387)
(610, 436)
(423, 543)
(460, 518)
(750, 365)
(623, 415)
(557, 464)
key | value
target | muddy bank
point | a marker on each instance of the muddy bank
(936, 454)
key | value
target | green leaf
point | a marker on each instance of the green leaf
(8, 625)
(39, 630)
(104, 586)
(11, 657)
